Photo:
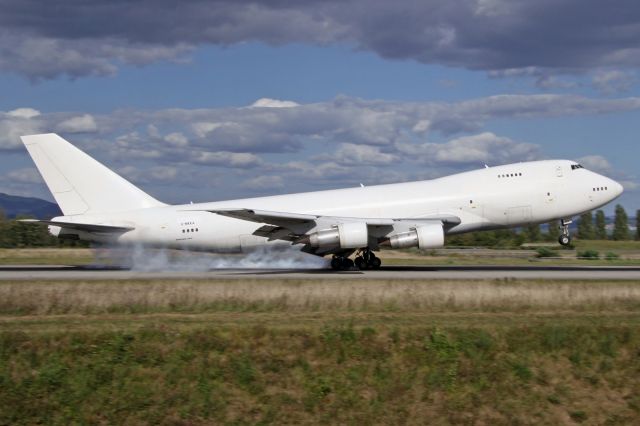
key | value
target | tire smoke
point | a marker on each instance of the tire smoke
(145, 259)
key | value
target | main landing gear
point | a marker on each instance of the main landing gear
(366, 259)
(565, 238)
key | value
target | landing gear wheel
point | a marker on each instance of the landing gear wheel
(336, 263)
(564, 240)
(339, 263)
(368, 260)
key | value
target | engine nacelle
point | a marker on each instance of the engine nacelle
(345, 235)
(423, 237)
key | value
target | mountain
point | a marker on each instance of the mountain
(12, 206)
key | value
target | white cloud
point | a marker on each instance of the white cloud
(613, 81)
(26, 175)
(202, 129)
(177, 139)
(227, 159)
(597, 163)
(12, 128)
(483, 148)
(422, 126)
(312, 146)
(24, 113)
(264, 182)
(80, 124)
(351, 154)
(273, 103)
(630, 185)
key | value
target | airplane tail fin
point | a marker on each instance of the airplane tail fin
(80, 184)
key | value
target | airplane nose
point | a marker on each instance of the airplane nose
(617, 188)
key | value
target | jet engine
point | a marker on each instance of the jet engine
(424, 237)
(345, 235)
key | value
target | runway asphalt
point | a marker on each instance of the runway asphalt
(76, 273)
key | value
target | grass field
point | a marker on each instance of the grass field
(308, 352)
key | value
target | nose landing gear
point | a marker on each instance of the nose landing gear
(565, 238)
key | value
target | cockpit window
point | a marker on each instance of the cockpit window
(577, 166)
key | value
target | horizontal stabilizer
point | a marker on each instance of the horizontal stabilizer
(87, 227)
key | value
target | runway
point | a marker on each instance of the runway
(448, 272)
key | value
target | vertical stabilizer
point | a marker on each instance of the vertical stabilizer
(80, 184)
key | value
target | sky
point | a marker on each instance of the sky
(213, 100)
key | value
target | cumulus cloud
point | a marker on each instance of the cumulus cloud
(613, 81)
(24, 113)
(26, 175)
(340, 142)
(177, 139)
(597, 163)
(264, 182)
(349, 154)
(16, 123)
(38, 41)
(227, 159)
(273, 103)
(483, 148)
(80, 124)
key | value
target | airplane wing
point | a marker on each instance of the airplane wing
(276, 218)
(293, 227)
(87, 227)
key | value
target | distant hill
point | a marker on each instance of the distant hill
(13, 206)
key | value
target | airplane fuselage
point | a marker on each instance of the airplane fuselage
(490, 198)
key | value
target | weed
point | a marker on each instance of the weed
(589, 255)
(578, 416)
(546, 252)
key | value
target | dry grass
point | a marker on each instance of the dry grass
(142, 296)
(46, 256)
(308, 352)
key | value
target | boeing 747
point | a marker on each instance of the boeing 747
(100, 206)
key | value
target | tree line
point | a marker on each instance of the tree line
(14, 234)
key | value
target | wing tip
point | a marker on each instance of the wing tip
(37, 137)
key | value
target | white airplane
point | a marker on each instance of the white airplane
(102, 207)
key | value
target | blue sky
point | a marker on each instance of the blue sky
(219, 100)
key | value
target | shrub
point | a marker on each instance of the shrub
(612, 256)
(589, 254)
(546, 252)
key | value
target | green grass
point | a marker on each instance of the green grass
(606, 245)
(338, 374)
(308, 352)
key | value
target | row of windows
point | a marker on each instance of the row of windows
(602, 188)
(190, 230)
(510, 175)
(577, 166)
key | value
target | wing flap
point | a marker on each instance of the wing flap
(264, 216)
